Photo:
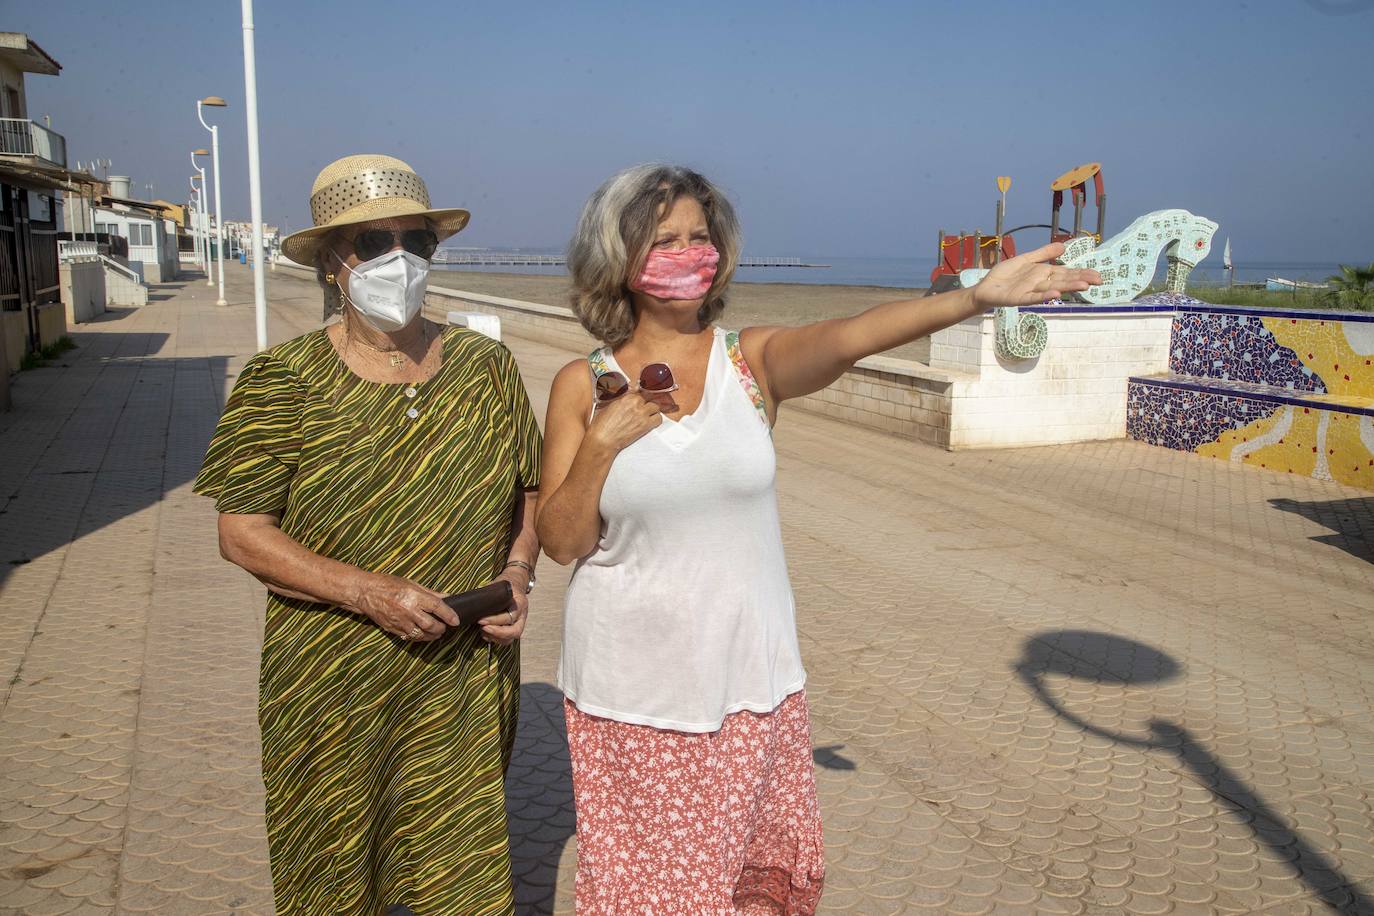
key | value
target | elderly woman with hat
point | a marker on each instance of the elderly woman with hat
(363, 472)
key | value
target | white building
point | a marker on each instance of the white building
(151, 234)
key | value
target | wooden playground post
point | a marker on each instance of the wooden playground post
(1003, 185)
(997, 251)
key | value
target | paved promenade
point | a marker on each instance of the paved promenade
(1102, 678)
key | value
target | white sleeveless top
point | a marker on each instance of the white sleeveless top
(683, 612)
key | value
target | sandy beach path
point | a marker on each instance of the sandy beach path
(749, 303)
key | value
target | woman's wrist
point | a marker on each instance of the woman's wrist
(972, 306)
(520, 574)
(355, 583)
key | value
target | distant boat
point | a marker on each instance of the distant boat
(1280, 285)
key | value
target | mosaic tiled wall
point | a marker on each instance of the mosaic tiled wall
(1283, 391)
(1324, 355)
(1308, 440)
(1237, 348)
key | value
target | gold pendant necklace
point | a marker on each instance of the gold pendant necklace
(396, 357)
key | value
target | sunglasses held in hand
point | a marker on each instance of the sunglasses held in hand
(655, 378)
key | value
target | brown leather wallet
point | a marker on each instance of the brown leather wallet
(479, 603)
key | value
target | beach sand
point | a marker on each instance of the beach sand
(749, 303)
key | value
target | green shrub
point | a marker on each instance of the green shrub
(1352, 288)
(50, 352)
(58, 347)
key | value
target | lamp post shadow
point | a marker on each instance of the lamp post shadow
(1124, 661)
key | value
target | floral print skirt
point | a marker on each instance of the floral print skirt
(723, 822)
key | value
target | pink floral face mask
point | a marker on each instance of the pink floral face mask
(682, 274)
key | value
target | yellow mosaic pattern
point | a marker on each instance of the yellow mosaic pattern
(1307, 441)
(1341, 352)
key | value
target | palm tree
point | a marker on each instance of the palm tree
(1352, 288)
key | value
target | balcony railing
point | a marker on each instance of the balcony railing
(20, 137)
(78, 250)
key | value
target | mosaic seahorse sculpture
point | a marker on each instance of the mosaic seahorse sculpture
(1127, 264)
(1019, 336)
(1127, 260)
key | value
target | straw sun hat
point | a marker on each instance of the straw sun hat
(357, 189)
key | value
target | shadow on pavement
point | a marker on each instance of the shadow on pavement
(830, 757)
(1120, 661)
(101, 439)
(539, 798)
(1352, 520)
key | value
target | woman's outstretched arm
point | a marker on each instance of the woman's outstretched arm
(801, 360)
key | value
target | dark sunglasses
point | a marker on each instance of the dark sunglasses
(373, 243)
(655, 378)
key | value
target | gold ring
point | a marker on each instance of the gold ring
(414, 632)
(511, 615)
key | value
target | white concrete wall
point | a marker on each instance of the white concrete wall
(83, 289)
(52, 322)
(120, 289)
(1074, 391)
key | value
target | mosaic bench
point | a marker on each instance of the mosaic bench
(1291, 391)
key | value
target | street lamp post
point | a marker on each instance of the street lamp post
(204, 211)
(215, 101)
(194, 216)
(250, 91)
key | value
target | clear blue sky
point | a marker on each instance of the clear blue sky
(839, 129)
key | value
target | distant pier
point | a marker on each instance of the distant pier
(461, 258)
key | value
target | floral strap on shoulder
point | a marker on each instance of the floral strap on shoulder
(597, 360)
(746, 377)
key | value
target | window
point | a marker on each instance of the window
(106, 228)
(40, 208)
(140, 234)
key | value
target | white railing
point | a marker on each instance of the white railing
(121, 269)
(22, 137)
(78, 250)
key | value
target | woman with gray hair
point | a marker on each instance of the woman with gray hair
(687, 720)
(365, 472)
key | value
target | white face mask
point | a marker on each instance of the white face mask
(389, 291)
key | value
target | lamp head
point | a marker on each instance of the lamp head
(201, 152)
(214, 101)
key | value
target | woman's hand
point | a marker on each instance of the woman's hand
(507, 626)
(1029, 279)
(623, 421)
(404, 609)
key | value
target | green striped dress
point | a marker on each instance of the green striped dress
(383, 760)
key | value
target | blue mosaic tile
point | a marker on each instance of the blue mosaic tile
(1175, 300)
(1236, 348)
(1181, 419)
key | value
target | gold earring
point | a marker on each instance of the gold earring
(329, 278)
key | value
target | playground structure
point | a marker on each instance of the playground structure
(972, 251)
(1126, 261)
